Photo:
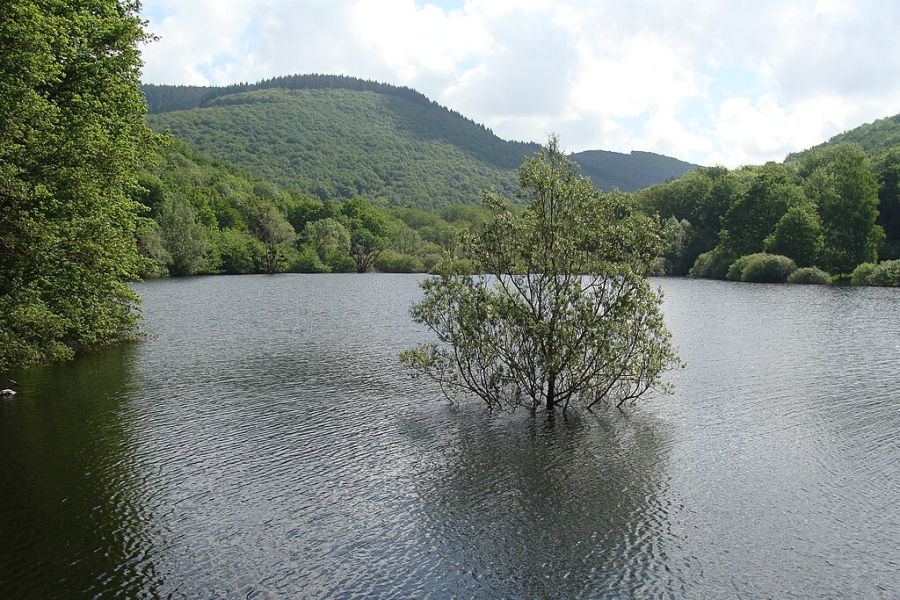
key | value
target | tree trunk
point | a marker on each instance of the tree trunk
(551, 393)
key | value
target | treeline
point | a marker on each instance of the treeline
(825, 211)
(208, 217)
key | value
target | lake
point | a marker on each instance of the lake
(264, 442)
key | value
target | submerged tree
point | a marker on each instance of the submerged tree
(561, 312)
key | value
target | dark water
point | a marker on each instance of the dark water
(264, 442)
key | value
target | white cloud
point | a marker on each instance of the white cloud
(711, 81)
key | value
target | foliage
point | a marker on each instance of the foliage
(752, 217)
(764, 268)
(327, 237)
(562, 310)
(887, 169)
(862, 273)
(183, 236)
(391, 261)
(842, 183)
(700, 198)
(240, 252)
(872, 137)
(831, 206)
(809, 276)
(276, 234)
(675, 235)
(797, 235)
(713, 264)
(736, 269)
(885, 274)
(307, 261)
(72, 132)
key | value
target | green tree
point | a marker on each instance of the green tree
(240, 252)
(843, 184)
(276, 234)
(367, 229)
(327, 237)
(797, 235)
(184, 238)
(72, 132)
(887, 167)
(753, 216)
(562, 311)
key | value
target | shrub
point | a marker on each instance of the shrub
(339, 262)
(240, 252)
(307, 261)
(736, 270)
(886, 274)
(862, 274)
(712, 264)
(810, 276)
(768, 268)
(391, 261)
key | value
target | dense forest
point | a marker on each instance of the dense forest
(629, 172)
(209, 217)
(338, 137)
(829, 213)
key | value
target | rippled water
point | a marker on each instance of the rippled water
(264, 442)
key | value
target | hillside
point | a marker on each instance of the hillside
(336, 137)
(873, 138)
(629, 172)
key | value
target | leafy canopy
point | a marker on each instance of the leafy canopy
(561, 310)
(72, 133)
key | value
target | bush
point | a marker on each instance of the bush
(810, 276)
(862, 274)
(339, 262)
(736, 270)
(391, 261)
(240, 252)
(767, 268)
(712, 265)
(886, 274)
(307, 261)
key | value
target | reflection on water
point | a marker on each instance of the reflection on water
(536, 509)
(73, 509)
(264, 441)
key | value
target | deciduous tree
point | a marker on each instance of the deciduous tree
(72, 133)
(562, 310)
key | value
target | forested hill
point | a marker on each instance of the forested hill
(629, 172)
(873, 138)
(337, 137)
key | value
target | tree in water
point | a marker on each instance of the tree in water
(72, 134)
(561, 311)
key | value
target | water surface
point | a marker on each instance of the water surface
(264, 442)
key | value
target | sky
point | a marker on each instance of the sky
(726, 82)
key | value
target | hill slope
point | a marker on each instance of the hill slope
(873, 137)
(629, 172)
(337, 137)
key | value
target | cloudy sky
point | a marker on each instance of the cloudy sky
(715, 81)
